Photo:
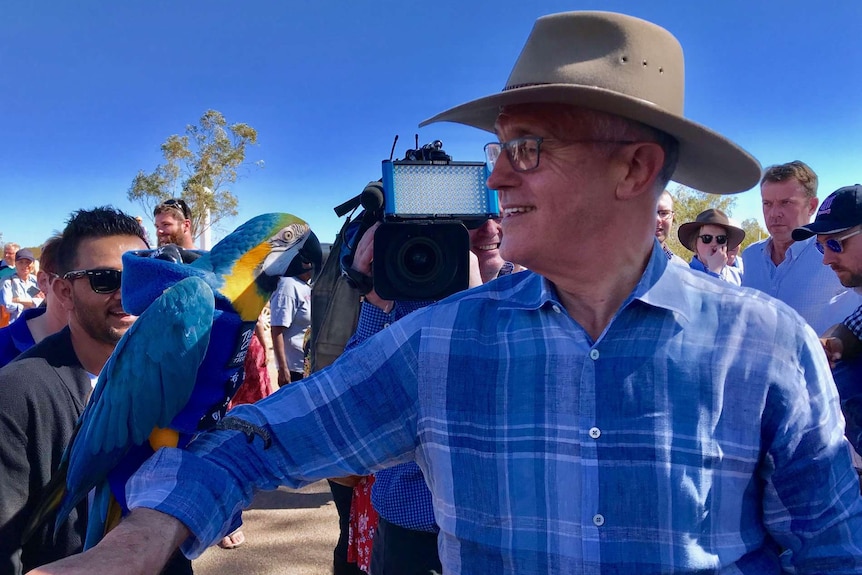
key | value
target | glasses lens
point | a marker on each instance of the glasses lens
(706, 238)
(492, 153)
(834, 245)
(524, 153)
(721, 240)
(664, 214)
(104, 281)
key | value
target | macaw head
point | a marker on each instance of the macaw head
(252, 259)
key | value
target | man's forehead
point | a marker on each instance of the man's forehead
(784, 189)
(106, 251)
(531, 119)
(167, 216)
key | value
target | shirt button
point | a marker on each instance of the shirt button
(556, 308)
(386, 324)
(594, 354)
(595, 432)
(598, 520)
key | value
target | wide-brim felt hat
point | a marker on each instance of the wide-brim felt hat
(688, 231)
(620, 65)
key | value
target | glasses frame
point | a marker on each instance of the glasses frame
(178, 204)
(668, 214)
(711, 236)
(92, 275)
(509, 144)
(835, 244)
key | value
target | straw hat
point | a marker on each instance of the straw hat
(624, 66)
(688, 232)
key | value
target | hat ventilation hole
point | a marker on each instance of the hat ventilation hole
(624, 59)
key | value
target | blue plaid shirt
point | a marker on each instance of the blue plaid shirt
(699, 434)
(399, 493)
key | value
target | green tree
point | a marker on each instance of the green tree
(199, 167)
(753, 233)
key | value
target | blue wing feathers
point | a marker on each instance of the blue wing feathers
(163, 348)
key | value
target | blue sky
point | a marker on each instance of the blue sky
(89, 90)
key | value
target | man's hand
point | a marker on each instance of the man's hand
(716, 258)
(834, 349)
(141, 544)
(839, 343)
(363, 260)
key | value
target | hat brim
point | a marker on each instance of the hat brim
(708, 162)
(687, 234)
(816, 228)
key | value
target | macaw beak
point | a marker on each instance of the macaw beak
(303, 256)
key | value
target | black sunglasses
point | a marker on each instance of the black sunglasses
(707, 239)
(101, 281)
(179, 205)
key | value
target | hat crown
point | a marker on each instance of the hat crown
(610, 51)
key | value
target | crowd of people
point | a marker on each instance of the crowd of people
(578, 410)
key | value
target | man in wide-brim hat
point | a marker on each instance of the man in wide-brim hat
(604, 412)
(711, 236)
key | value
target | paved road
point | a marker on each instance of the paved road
(287, 532)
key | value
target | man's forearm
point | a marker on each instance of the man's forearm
(141, 544)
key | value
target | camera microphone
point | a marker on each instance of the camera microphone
(371, 197)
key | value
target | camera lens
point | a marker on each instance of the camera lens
(420, 258)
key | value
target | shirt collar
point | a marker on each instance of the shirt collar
(659, 286)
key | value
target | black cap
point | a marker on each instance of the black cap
(840, 211)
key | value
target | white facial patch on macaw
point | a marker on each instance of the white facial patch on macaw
(284, 246)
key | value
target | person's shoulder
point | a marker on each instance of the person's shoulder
(755, 247)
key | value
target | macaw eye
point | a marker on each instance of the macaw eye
(291, 233)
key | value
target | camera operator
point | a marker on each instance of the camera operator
(405, 541)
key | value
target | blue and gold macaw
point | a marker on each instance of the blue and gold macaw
(173, 373)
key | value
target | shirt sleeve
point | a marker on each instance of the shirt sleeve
(352, 418)
(6, 295)
(811, 498)
(854, 322)
(372, 319)
(283, 304)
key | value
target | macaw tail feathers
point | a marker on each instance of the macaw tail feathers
(105, 514)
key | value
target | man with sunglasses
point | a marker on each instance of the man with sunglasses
(44, 390)
(792, 270)
(837, 230)
(173, 221)
(605, 411)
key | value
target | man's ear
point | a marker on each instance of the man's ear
(62, 289)
(644, 161)
(43, 280)
(812, 206)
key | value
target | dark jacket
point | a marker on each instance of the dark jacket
(42, 394)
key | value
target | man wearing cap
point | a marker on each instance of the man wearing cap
(21, 291)
(792, 271)
(36, 324)
(837, 228)
(603, 412)
(173, 224)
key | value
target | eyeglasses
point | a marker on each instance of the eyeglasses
(524, 152)
(707, 239)
(178, 205)
(101, 281)
(664, 214)
(834, 244)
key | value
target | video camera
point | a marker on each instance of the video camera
(426, 203)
